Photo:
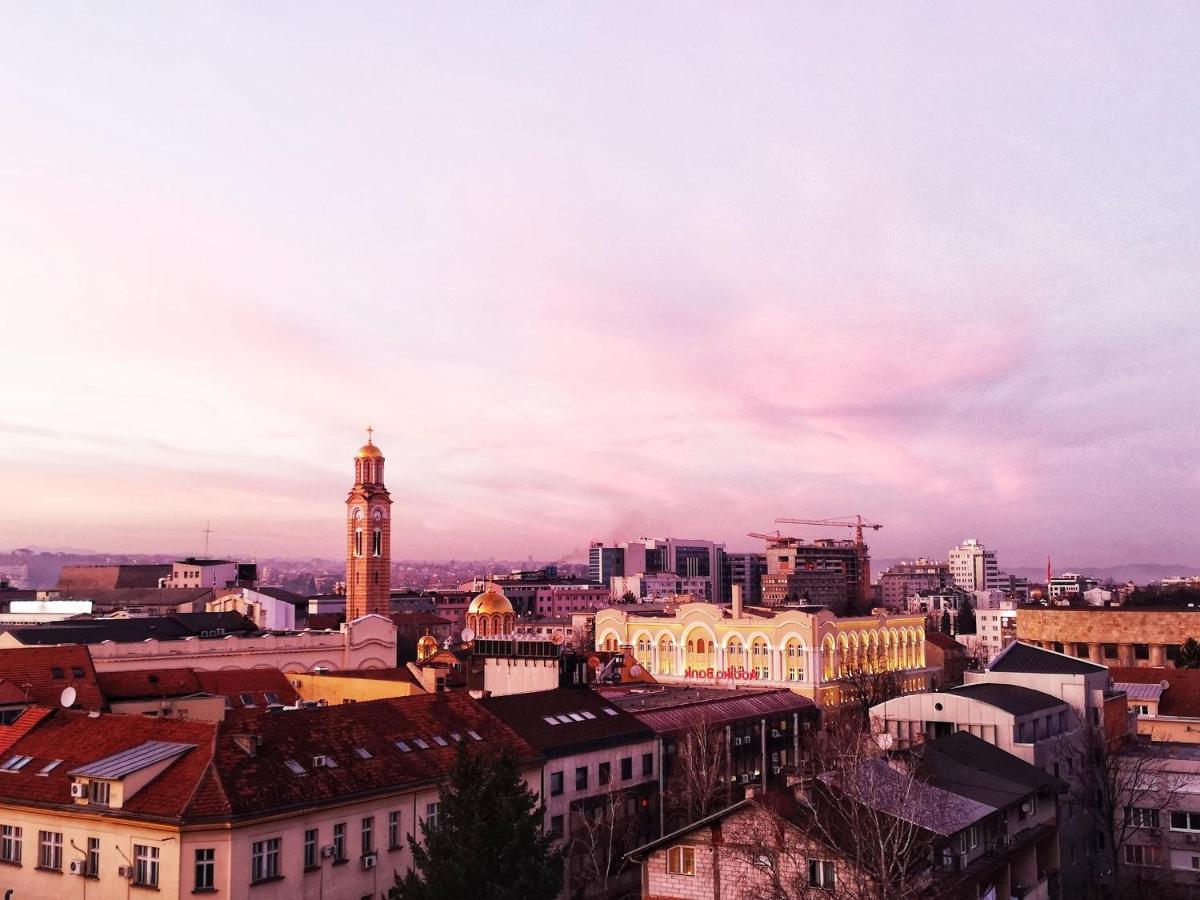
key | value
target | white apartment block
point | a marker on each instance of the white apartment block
(973, 567)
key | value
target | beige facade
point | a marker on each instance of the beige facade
(806, 651)
(365, 643)
(1112, 637)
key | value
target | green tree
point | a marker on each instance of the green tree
(945, 621)
(629, 597)
(487, 843)
(966, 618)
(1189, 654)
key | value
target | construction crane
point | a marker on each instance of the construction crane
(858, 523)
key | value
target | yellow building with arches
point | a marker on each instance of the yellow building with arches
(809, 650)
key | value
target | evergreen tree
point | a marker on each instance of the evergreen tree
(1189, 654)
(966, 618)
(945, 621)
(488, 842)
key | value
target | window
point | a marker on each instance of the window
(264, 860)
(1141, 817)
(1141, 651)
(272, 698)
(15, 763)
(581, 778)
(556, 826)
(50, 849)
(681, 861)
(1141, 709)
(968, 840)
(358, 542)
(56, 672)
(1185, 821)
(556, 784)
(431, 815)
(92, 863)
(626, 768)
(377, 543)
(310, 849)
(368, 835)
(247, 700)
(145, 865)
(1139, 855)
(1110, 651)
(339, 842)
(101, 791)
(10, 843)
(604, 773)
(393, 830)
(822, 873)
(206, 870)
(647, 764)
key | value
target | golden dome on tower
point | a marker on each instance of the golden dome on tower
(491, 602)
(368, 451)
(426, 646)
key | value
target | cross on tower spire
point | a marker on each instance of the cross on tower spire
(370, 433)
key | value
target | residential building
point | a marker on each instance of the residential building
(573, 632)
(412, 626)
(605, 562)
(945, 653)
(700, 561)
(188, 694)
(43, 676)
(210, 573)
(301, 803)
(1117, 636)
(1070, 585)
(206, 641)
(908, 578)
(806, 649)
(767, 734)
(804, 587)
(356, 686)
(1166, 701)
(73, 578)
(656, 587)
(851, 561)
(934, 604)
(746, 570)
(600, 784)
(995, 627)
(270, 608)
(973, 567)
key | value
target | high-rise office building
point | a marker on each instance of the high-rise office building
(973, 567)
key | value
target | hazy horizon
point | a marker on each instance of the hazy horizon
(600, 272)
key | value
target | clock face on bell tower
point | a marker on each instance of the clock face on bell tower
(368, 536)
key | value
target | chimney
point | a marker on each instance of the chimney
(737, 601)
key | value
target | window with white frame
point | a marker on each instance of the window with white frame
(264, 860)
(431, 816)
(145, 865)
(10, 843)
(311, 860)
(339, 841)
(393, 830)
(205, 869)
(1185, 821)
(101, 791)
(1141, 855)
(50, 844)
(1141, 817)
(681, 861)
(968, 839)
(368, 835)
(822, 873)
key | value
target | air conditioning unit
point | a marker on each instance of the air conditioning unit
(368, 860)
(746, 778)
(775, 770)
(78, 867)
(327, 852)
(320, 761)
(79, 789)
(774, 732)
(125, 871)
(1027, 808)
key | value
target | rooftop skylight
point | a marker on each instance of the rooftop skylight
(296, 768)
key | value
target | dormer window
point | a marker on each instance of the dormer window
(100, 792)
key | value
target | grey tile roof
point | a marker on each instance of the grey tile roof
(1019, 657)
(133, 760)
(1012, 698)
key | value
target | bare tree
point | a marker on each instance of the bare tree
(698, 783)
(603, 830)
(1123, 788)
(865, 815)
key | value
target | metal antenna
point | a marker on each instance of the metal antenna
(207, 532)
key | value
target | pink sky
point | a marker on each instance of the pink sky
(600, 273)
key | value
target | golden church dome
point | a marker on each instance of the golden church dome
(368, 451)
(427, 646)
(490, 602)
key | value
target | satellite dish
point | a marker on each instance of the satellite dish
(885, 741)
(468, 634)
(67, 698)
(635, 671)
(1164, 684)
(593, 662)
(556, 638)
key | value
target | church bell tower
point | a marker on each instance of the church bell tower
(368, 536)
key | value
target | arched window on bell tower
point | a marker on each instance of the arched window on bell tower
(377, 542)
(358, 542)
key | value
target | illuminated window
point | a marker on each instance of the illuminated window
(681, 861)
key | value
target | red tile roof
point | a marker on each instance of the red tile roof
(400, 673)
(1182, 696)
(219, 780)
(233, 683)
(14, 731)
(138, 684)
(44, 672)
(78, 738)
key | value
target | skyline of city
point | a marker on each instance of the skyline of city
(936, 269)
